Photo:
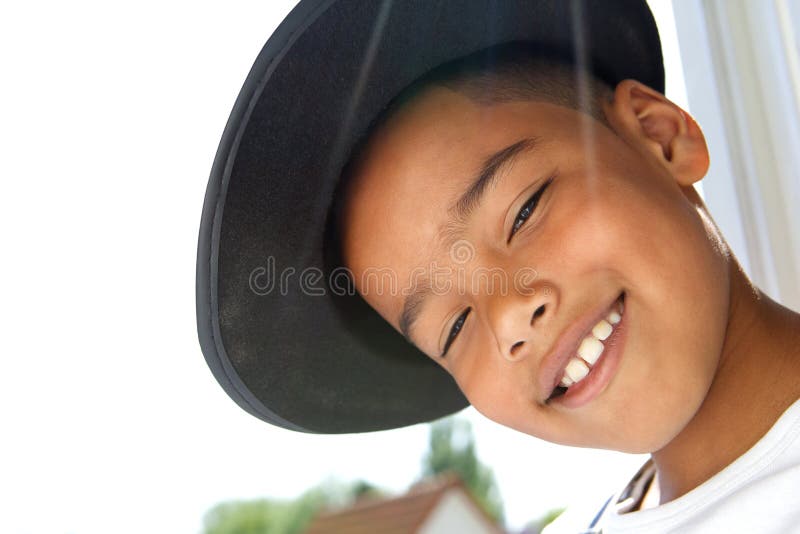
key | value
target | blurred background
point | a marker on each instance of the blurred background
(110, 421)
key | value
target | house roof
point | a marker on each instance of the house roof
(400, 515)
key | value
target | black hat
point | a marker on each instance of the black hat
(280, 329)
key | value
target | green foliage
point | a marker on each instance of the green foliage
(550, 516)
(242, 517)
(266, 516)
(537, 525)
(452, 448)
(262, 516)
(364, 490)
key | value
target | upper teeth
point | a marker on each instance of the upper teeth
(590, 349)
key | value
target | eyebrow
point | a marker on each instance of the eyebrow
(488, 176)
(412, 307)
(460, 213)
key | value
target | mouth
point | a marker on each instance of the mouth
(585, 357)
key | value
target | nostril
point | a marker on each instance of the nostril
(538, 313)
(516, 346)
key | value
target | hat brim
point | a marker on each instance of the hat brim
(275, 333)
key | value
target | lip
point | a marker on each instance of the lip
(553, 365)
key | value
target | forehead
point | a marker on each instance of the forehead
(412, 171)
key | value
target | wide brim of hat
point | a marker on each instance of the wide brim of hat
(277, 337)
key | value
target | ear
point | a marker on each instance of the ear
(645, 118)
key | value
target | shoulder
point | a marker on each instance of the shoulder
(755, 493)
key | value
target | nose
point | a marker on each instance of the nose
(517, 320)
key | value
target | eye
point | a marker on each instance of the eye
(454, 330)
(527, 209)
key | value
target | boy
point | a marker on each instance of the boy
(523, 213)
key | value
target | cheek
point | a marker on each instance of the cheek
(684, 313)
(499, 392)
(678, 291)
(478, 378)
(649, 240)
(506, 396)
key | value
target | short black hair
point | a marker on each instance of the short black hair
(511, 72)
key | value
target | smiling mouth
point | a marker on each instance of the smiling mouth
(590, 350)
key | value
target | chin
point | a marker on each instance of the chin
(629, 442)
(643, 445)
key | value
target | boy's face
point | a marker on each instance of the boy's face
(614, 218)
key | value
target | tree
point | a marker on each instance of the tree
(268, 516)
(263, 516)
(452, 449)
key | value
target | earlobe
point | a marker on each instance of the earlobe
(650, 121)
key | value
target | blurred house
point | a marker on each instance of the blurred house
(439, 506)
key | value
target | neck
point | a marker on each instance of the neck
(755, 382)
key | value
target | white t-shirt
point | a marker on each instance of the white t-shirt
(757, 492)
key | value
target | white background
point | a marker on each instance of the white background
(110, 421)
